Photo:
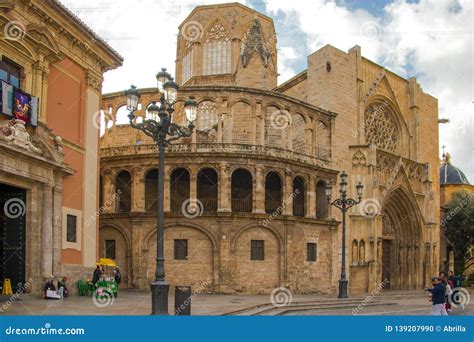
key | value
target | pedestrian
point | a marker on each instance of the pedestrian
(438, 293)
(96, 275)
(444, 278)
(117, 276)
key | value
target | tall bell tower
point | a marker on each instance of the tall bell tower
(227, 44)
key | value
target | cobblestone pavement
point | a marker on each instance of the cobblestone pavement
(138, 303)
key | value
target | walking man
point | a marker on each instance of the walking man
(438, 292)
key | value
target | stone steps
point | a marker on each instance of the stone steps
(269, 307)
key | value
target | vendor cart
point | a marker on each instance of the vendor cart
(106, 285)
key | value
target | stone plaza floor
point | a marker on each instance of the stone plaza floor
(138, 303)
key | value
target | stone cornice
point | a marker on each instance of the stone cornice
(220, 90)
(73, 37)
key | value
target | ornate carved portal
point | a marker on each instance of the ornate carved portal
(401, 267)
(380, 127)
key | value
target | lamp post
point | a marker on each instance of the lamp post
(343, 204)
(160, 126)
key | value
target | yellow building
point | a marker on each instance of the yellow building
(258, 163)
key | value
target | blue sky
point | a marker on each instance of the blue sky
(429, 39)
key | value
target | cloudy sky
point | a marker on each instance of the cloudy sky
(429, 39)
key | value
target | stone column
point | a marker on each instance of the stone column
(57, 228)
(288, 193)
(311, 212)
(259, 192)
(193, 186)
(416, 259)
(224, 188)
(109, 190)
(47, 232)
(409, 267)
(220, 127)
(138, 190)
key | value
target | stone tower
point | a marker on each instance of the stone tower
(227, 45)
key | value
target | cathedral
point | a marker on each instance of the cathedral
(259, 161)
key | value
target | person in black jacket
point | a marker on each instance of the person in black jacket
(96, 275)
(438, 292)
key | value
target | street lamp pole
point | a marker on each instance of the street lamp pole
(343, 203)
(160, 127)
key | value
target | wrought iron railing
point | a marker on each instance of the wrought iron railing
(242, 205)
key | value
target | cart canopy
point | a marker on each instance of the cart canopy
(106, 262)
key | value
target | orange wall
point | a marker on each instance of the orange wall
(65, 104)
(65, 108)
(73, 185)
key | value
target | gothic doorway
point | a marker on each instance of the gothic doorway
(12, 235)
(401, 264)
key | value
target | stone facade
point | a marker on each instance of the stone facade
(259, 144)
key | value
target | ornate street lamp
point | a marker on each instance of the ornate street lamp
(160, 126)
(343, 204)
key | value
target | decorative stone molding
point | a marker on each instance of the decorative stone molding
(14, 131)
(252, 42)
(359, 159)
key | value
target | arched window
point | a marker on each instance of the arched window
(206, 122)
(273, 193)
(121, 116)
(151, 190)
(299, 194)
(298, 133)
(355, 252)
(217, 51)
(321, 200)
(207, 189)
(362, 251)
(179, 188)
(241, 191)
(123, 189)
(323, 141)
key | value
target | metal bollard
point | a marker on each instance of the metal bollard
(182, 301)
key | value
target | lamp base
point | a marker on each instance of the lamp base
(342, 288)
(159, 298)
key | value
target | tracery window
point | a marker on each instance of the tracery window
(217, 51)
(380, 128)
(187, 66)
